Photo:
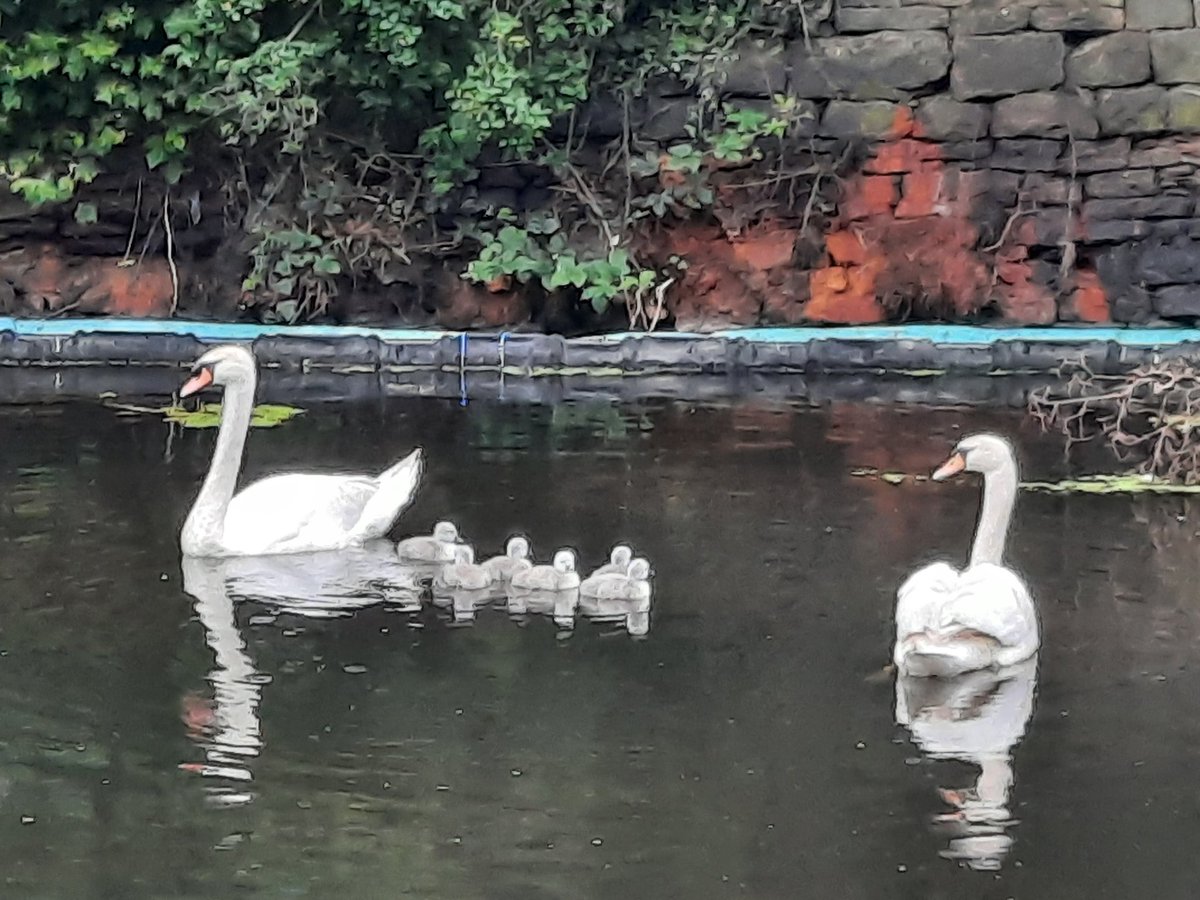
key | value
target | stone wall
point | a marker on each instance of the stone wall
(1028, 161)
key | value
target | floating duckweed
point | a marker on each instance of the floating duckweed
(1111, 484)
(209, 415)
(267, 415)
(1087, 484)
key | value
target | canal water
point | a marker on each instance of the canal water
(318, 728)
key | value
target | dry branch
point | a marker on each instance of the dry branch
(1150, 417)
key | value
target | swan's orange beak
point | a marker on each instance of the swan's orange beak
(951, 467)
(197, 382)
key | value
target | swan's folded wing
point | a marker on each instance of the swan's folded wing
(282, 511)
(920, 598)
(992, 600)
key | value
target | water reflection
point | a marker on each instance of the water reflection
(316, 585)
(976, 718)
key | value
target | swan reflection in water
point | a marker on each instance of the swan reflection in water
(316, 585)
(321, 585)
(977, 718)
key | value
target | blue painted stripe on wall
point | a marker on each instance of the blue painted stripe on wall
(948, 335)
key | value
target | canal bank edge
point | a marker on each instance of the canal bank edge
(900, 349)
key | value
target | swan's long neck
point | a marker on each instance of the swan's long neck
(207, 518)
(999, 496)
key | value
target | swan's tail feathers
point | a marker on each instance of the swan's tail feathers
(931, 654)
(397, 486)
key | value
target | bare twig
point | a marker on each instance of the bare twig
(127, 260)
(171, 251)
(1150, 417)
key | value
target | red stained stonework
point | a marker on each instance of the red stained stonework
(907, 252)
(41, 279)
(1088, 302)
(739, 280)
(465, 304)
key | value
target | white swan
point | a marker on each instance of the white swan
(949, 622)
(293, 513)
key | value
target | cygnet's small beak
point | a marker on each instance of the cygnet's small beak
(951, 467)
(197, 382)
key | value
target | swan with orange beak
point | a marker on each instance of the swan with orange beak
(298, 512)
(950, 621)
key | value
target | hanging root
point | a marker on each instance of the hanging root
(1150, 416)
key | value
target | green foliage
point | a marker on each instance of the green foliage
(346, 122)
(524, 255)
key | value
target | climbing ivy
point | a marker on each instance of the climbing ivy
(349, 125)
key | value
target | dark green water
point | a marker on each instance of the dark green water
(745, 747)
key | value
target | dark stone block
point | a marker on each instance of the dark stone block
(1182, 175)
(602, 118)
(1130, 183)
(1113, 60)
(492, 199)
(1157, 153)
(1181, 301)
(1026, 155)
(592, 353)
(1175, 56)
(1183, 108)
(998, 20)
(1129, 302)
(1002, 65)
(967, 151)
(1138, 208)
(1150, 15)
(1139, 110)
(1047, 190)
(1097, 156)
(1050, 114)
(501, 176)
(667, 119)
(873, 119)
(1003, 187)
(1052, 227)
(1174, 228)
(1176, 262)
(850, 20)
(1110, 231)
(1131, 305)
(408, 353)
(755, 71)
(944, 119)
(1077, 18)
(881, 66)
(294, 352)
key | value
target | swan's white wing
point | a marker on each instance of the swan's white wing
(994, 601)
(921, 597)
(287, 513)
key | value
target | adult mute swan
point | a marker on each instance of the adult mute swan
(293, 513)
(949, 622)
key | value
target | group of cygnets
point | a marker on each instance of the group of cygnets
(617, 589)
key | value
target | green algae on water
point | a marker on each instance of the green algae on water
(1131, 483)
(208, 415)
